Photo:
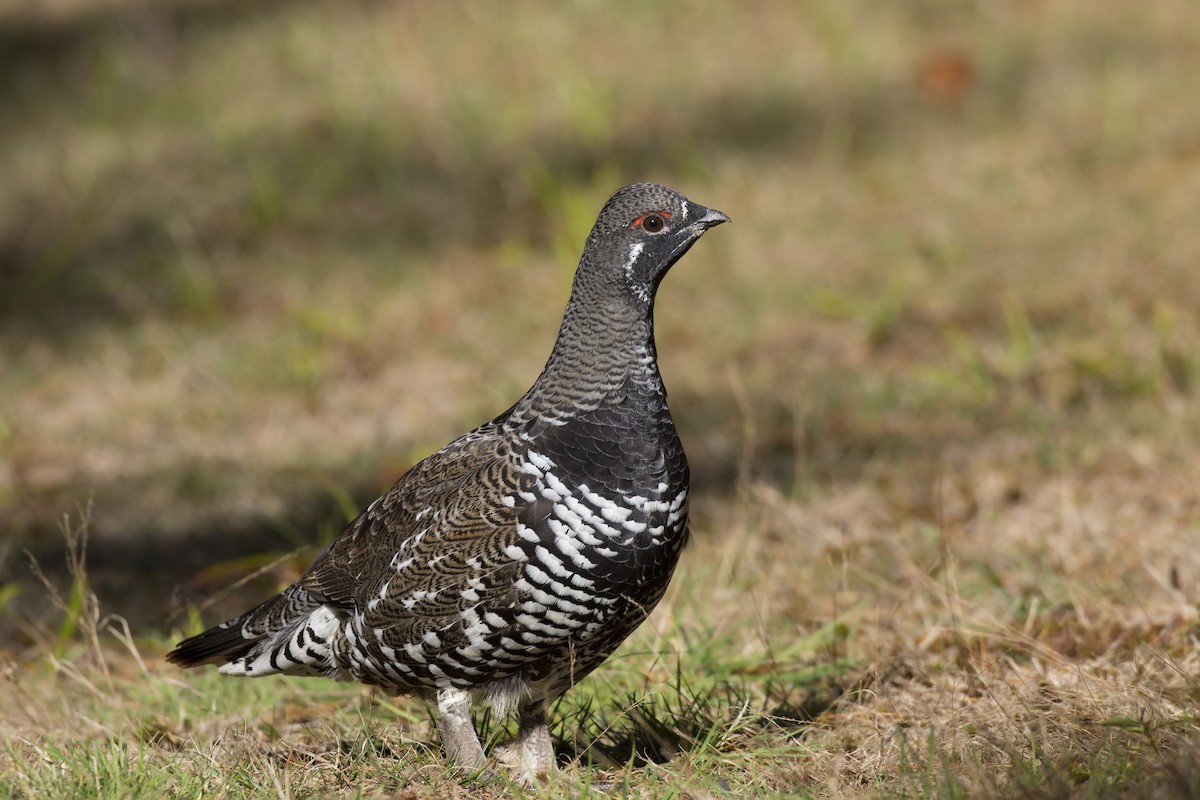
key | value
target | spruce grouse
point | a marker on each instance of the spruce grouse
(512, 562)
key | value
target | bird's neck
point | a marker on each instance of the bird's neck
(605, 350)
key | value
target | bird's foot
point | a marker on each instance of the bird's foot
(458, 732)
(530, 756)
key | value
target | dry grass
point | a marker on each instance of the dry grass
(937, 382)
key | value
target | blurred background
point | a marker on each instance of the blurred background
(259, 257)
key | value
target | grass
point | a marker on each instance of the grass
(97, 716)
(937, 382)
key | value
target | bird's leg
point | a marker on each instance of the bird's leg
(530, 754)
(458, 732)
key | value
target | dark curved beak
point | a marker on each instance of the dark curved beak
(710, 218)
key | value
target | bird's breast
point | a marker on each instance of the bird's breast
(606, 496)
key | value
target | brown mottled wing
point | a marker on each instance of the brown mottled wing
(432, 547)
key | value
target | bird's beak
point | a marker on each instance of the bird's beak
(690, 234)
(711, 218)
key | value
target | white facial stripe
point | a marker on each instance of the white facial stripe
(635, 250)
(683, 213)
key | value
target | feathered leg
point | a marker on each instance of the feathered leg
(458, 732)
(531, 754)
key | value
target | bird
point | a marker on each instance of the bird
(508, 565)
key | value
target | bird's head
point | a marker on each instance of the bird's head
(643, 229)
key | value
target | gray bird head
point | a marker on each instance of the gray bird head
(643, 229)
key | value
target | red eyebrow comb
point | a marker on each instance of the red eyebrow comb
(638, 221)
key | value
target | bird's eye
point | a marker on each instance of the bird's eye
(653, 223)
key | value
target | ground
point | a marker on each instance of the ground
(937, 381)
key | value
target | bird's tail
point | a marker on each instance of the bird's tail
(215, 646)
(290, 633)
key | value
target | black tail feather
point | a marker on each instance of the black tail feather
(237, 637)
(215, 646)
